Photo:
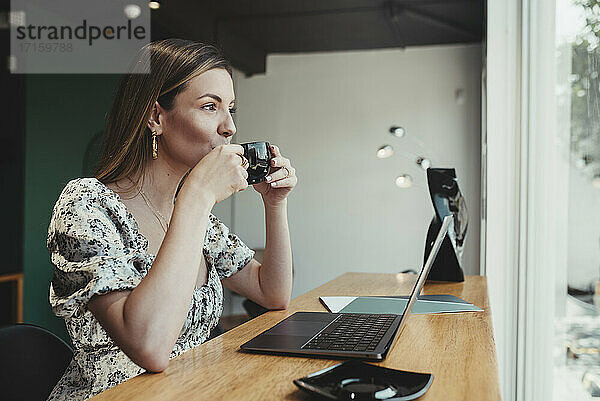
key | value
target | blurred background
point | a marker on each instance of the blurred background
(363, 96)
(325, 81)
(358, 93)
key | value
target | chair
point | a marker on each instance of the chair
(253, 309)
(33, 360)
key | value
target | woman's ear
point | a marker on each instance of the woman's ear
(154, 120)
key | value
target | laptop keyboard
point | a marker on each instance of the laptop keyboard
(352, 332)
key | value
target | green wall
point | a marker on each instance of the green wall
(63, 113)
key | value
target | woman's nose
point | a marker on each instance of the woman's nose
(227, 127)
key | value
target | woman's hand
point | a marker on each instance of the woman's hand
(219, 174)
(280, 181)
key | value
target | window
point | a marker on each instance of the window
(577, 327)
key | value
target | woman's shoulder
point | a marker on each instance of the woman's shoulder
(86, 185)
(86, 204)
(84, 193)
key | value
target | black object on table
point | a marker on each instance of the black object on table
(447, 201)
(355, 380)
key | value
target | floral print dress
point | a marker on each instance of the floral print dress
(96, 248)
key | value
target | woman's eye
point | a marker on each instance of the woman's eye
(210, 106)
(233, 110)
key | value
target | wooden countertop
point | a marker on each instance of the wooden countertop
(458, 348)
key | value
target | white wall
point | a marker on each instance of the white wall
(329, 113)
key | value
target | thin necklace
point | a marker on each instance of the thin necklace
(155, 211)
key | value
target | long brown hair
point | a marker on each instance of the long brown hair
(172, 63)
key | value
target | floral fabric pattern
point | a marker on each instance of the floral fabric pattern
(95, 248)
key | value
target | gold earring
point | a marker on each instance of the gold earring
(154, 146)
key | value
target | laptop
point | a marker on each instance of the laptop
(342, 335)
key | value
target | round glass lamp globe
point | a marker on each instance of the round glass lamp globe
(404, 181)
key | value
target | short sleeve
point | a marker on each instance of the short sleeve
(223, 250)
(88, 249)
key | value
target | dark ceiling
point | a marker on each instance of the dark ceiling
(248, 30)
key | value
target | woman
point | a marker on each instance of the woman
(131, 277)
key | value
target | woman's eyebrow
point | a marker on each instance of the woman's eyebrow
(216, 97)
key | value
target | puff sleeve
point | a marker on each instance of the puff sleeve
(90, 248)
(223, 250)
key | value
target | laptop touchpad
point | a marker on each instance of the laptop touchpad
(297, 328)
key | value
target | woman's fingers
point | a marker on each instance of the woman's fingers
(291, 181)
(281, 174)
(279, 161)
(275, 150)
(233, 148)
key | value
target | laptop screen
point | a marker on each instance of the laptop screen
(426, 268)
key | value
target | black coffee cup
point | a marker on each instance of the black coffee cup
(259, 160)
